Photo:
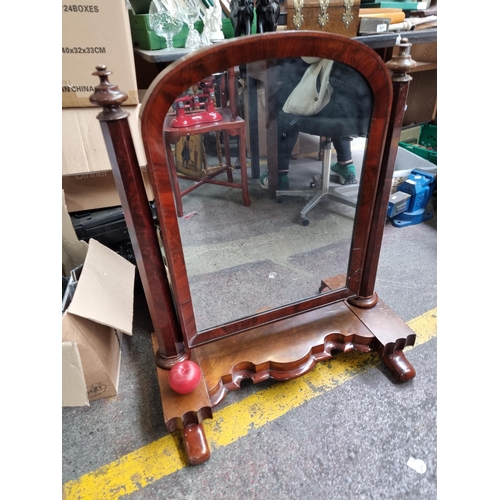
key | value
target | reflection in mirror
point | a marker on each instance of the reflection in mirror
(242, 260)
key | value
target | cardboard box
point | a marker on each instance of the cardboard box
(87, 177)
(92, 326)
(373, 25)
(84, 149)
(92, 35)
(96, 190)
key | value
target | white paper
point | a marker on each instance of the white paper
(417, 465)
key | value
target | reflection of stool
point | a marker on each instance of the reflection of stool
(320, 187)
(231, 125)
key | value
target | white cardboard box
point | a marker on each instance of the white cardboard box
(92, 326)
(406, 161)
(93, 35)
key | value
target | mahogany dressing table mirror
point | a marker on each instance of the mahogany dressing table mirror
(313, 311)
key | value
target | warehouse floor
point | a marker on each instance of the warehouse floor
(345, 430)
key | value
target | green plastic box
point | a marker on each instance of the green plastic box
(391, 5)
(425, 145)
(145, 38)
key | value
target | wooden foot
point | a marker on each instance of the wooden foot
(195, 441)
(397, 363)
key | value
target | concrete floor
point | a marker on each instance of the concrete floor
(351, 439)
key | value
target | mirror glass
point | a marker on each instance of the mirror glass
(296, 114)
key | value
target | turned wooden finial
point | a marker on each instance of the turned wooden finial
(108, 96)
(402, 62)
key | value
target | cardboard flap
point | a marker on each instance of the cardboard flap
(105, 291)
(73, 250)
(74, 390)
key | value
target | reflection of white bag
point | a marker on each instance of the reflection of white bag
(313, 92)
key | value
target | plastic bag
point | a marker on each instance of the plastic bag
(313, 92)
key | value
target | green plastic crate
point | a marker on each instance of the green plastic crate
(425, 145)
(428, 136)
(391, 5)
(145, 38)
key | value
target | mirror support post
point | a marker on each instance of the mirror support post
(399, 66)
(139, 219)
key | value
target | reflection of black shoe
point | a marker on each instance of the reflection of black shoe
(282, 182)
(346, 174)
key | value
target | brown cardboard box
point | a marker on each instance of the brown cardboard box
(84, 150)
(92, 35)
(87, 177)
(96, 190)
(100, 311)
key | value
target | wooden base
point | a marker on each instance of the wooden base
(282, 350)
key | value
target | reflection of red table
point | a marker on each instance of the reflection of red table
(229, 126)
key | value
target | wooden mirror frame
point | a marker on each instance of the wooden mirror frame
(286, 342)
(176, 78)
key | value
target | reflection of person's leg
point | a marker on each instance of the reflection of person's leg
(286, 143)
(344, 170)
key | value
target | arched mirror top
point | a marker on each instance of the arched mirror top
(272, 47)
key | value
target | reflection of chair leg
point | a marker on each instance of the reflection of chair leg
(321, 188)
(243, 163)
(228, 156)
(175, 182)
(218, 146)
(347, 195)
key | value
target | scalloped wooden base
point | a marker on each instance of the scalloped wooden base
(282, 350)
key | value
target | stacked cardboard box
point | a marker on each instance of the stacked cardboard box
(94, 35)
(95, 317)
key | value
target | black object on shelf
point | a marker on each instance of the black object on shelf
(108, 227)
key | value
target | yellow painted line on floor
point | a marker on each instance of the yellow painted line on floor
(163, 457)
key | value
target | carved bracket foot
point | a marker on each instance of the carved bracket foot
(195, 441)
(397, 363)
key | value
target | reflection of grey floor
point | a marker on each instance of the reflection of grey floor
(255, 248)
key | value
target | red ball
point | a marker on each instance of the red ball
(184, 376)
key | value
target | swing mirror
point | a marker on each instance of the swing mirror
(236, 262)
